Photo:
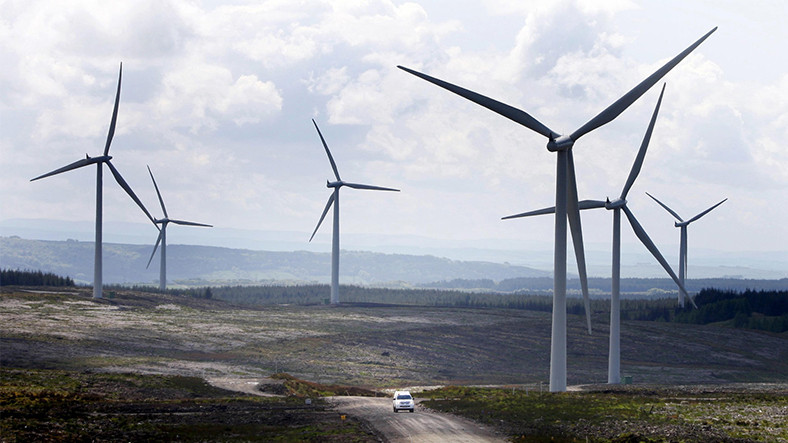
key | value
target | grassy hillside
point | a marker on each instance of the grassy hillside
(211, 265)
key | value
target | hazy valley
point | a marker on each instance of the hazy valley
(209, 265)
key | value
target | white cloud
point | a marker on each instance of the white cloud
(219, 95)
(329, 82)
(199, 96)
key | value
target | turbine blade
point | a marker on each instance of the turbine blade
(127, 188)
(584, 204)
(673, 213)
(369, 187)
(705, 212)
(644, 238)
(188, 223)
(614, 110)
(543, 211)
(330, 158)
(77, 164)
(114, 113)
(325, 211)
(573, 214)
(158, 240)
(158, 193)
(503, 109)
(633, 174)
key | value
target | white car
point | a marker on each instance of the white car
(403, 400)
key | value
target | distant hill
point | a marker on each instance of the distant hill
(600, 287)
(636, 261)
(125, 264)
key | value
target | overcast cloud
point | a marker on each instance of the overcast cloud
(217, 98)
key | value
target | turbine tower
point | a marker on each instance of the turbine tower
(163, 236)
(334, 199)
(566, 202)
(99, 161)
(683, 246)
(617, 205)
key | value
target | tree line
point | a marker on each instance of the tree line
(763, 310)
(314, 294)
(16, 277)
(600, 286)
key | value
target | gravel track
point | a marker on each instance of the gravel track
(423, 425)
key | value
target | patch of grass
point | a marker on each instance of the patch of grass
(56, 405)
(339, 431)
(617, 415)
(757, 416)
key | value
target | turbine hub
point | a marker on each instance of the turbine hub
(336, 184)
(615, 204)
(560, 143)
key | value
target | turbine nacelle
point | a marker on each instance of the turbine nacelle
(336, 184)
(560, 143)
(103, 158)
(681, 225)
(615, 204)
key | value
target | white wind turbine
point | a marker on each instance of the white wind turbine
(163, 236)
(99, 161)
(617, 205)
(334, 199)
(566, 202)
(683, 246)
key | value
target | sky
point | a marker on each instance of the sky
(218, 96)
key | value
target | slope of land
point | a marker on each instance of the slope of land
(375, 346)
(382, 346)
(55, 405)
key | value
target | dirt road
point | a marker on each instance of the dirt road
(422, 425)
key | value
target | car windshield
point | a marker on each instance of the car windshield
(403, 397)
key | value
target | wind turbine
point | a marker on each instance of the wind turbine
(566, 202)
(99, 161)
(163, 236)
(334, 199)
(683, 246)
(617, 205)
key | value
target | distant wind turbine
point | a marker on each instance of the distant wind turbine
(163, 236)
(334, 199)
(105, 158)
(683, 246)
(617, 205)
(566, 202)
